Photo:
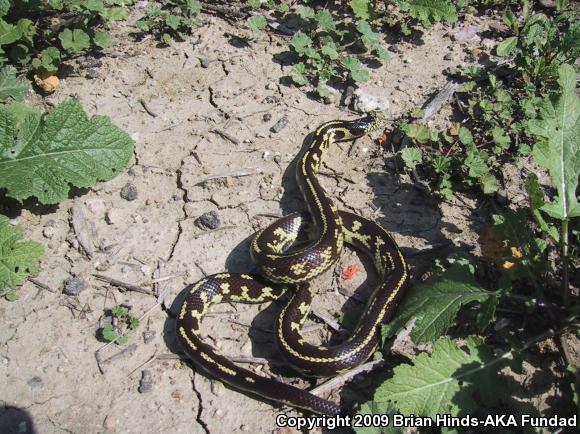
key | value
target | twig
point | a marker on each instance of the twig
(328, 320)
(226, 136)
(223, 228)
(238, 174)
(147, 109)
(81, 229)
(423, 250)
(433, 105)
(255, 360)
(142, 365)
(125, 352)
(124, 285)
(343, 378)
(42, 285)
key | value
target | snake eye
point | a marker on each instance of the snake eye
(339, 135)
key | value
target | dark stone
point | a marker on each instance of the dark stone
(129, 191)
(208, 220)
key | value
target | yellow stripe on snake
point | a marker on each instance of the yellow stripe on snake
(284, 269)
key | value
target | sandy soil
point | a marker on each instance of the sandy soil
(182, 169)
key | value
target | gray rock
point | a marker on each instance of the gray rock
(208, 220)
(267, 117)
(74, 286)
(448, 56)
(146, 382)
(204, 62)
(370, 98)
(148, 336)
(280, 125)
(35, 382)
(129, 191)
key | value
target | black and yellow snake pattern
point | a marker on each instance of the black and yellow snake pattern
(283, 269)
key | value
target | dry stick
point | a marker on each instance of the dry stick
(238, 174)
(223, 228)
(255, 360)
(127, 351)
(42, 285)
(433, 105)
(124, 285)
(147, 109)
(343, 378)
(142, 365)
(226, 136)
(328, 320)
(81, 229)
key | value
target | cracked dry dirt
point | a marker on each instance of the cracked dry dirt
(172, 106)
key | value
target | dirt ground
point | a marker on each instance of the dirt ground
(176, 102)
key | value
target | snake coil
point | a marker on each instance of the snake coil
(282, 269)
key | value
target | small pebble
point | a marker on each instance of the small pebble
(272, 86)
(244, 428)
(280, 125)
(204, 61)
(177, 394)
(129, 191)
(110, 423)
(208, 220)
(146, 382)
(92, 73)
(501, 197)
(448, 56)
(148, 336)
(277, 158)
(408, 60)
(217, 388)
(267, 117)
(35, 382)
(74, 286)
(48, 232)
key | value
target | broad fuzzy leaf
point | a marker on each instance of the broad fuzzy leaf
(75, 40)
(10, 86)
(411, 157)
(362, 9)
(380, 409)
(18, 259)
(63, 147)
(449, 381)
(434, 304)
(428, 11)
(559, 152)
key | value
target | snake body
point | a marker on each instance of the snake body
(283, 269)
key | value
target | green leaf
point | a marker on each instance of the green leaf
(74, 41)
(300, 42)
(559, 152)
(500, 138)
(94, 5)
(465, 136)
(380, 409)
(488, 183)
(18, 259)
(254, 4)
(486, 313)
(49, 60)
(325, 20)
(192, 8)
(369, 36)
(102, 39)
(4, 7)
(536, 204)
(449, 381)
(11, 295)
(173, 21)
(10, 86)
(411, 157)
(362, 9)
(506, 46)
(357, 72)
(417, 132)
(115, 14)
(9, 33)
(257, 22)
(428, 11)
(109, 333)
(298, 74)
(64, 147)
(330, 50)
(433, 304)
(305, 12)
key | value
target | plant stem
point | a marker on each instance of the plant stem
(565, 283)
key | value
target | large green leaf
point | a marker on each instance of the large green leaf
(428, 11)
(433, 305)
(10, 86)
(64, 147)
(559, 152)
(18, 259)
(449, 381)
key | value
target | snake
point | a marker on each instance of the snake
(289, 253)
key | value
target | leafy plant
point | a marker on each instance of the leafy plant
(18, 259)
(122, 322)
(42, 155)
(171, 19)
(44, 33)
(11, 88)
